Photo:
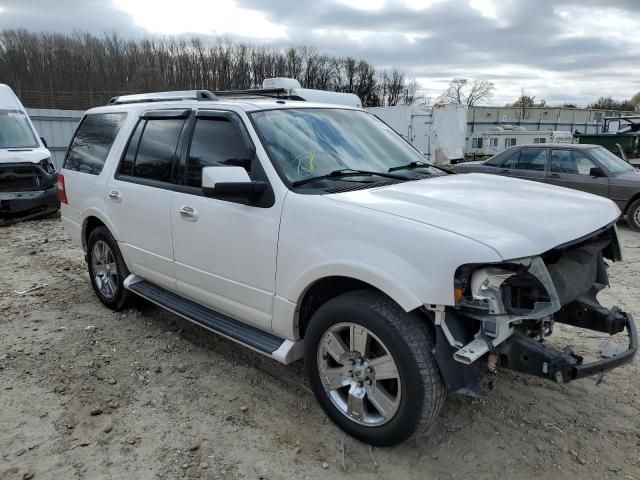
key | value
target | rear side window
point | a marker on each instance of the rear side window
(528, 159)
(92, 142)
(152, 149)
(215, 141)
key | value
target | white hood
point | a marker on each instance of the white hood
(20, 155)
(516, 218)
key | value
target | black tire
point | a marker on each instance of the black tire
(633, 215)
(407, 339)
(121, 298)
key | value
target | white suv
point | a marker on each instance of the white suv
(315, 231)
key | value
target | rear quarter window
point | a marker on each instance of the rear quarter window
(93, 141)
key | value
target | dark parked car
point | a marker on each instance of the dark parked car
(589, 168)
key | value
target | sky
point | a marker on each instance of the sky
(560, 50)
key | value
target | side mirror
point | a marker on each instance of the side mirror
(597, 172)
(44, 142)
(230, 182)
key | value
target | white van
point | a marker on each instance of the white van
(27, 174)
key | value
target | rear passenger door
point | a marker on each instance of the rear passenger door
(138, 197)
(225, 249)
(572, 169)
(527, 163)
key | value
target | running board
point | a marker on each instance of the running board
(282, 350)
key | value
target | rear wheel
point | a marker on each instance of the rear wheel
(633, 215)
(107, 269)
(371, 368)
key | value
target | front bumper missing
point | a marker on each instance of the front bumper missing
(528, 355)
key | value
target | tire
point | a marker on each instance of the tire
(633, 215)
(107, 283)
(410, 401)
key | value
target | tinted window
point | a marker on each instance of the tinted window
(512, 162)
(532, 159)
(157, 149)
(92, 142)
(527, 159)
(215, 141)
(126, 165)
(570, 161)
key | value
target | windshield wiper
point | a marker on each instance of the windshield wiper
(418, 164)
(345, 172)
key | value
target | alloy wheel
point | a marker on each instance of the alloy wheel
(105, 271)
(359, 374)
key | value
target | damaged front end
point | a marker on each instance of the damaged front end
(27, 190)
(505, 311)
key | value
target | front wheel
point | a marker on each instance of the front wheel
(371, 368)
(633, 215)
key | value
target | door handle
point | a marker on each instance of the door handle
(115, 195)
(188, 213)
(504, 170)
(554, 175)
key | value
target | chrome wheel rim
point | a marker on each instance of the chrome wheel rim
(358, 374)
(636, 216)
(105, 271)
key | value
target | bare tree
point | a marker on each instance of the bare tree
(464, 92)
(82, 70)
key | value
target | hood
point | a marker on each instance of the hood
(20, 155)
(516, 218)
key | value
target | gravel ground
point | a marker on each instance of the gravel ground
(93, 394)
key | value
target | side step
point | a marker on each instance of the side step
(252, 337)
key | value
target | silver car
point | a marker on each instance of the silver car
(590, 168)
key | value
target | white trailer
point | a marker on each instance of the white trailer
(492, 142)
(438, 132)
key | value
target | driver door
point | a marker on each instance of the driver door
(224, 250)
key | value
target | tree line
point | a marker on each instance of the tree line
(81, 70)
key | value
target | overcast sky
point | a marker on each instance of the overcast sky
(560, 50)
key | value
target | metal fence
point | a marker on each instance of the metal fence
(56, 127)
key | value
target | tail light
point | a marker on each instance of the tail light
(62, 193)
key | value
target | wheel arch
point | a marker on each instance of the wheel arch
(324, 288)
(630, 202)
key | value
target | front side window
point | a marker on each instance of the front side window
(152, 149)
(215, 141)
(15, 130)
(571, 161)
(310, 142)
(92, 142)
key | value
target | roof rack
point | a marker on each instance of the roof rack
(255, 92)
(163, 97)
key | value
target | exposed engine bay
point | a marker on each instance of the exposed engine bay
(505, 311)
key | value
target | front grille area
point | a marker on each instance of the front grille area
(18, 177)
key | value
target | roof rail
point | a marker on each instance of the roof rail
(163, 97)
(256, 92)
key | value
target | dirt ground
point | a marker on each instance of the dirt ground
(92, 394)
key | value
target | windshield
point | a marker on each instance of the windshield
(15, 130)
(311, 142)
(610, 162)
